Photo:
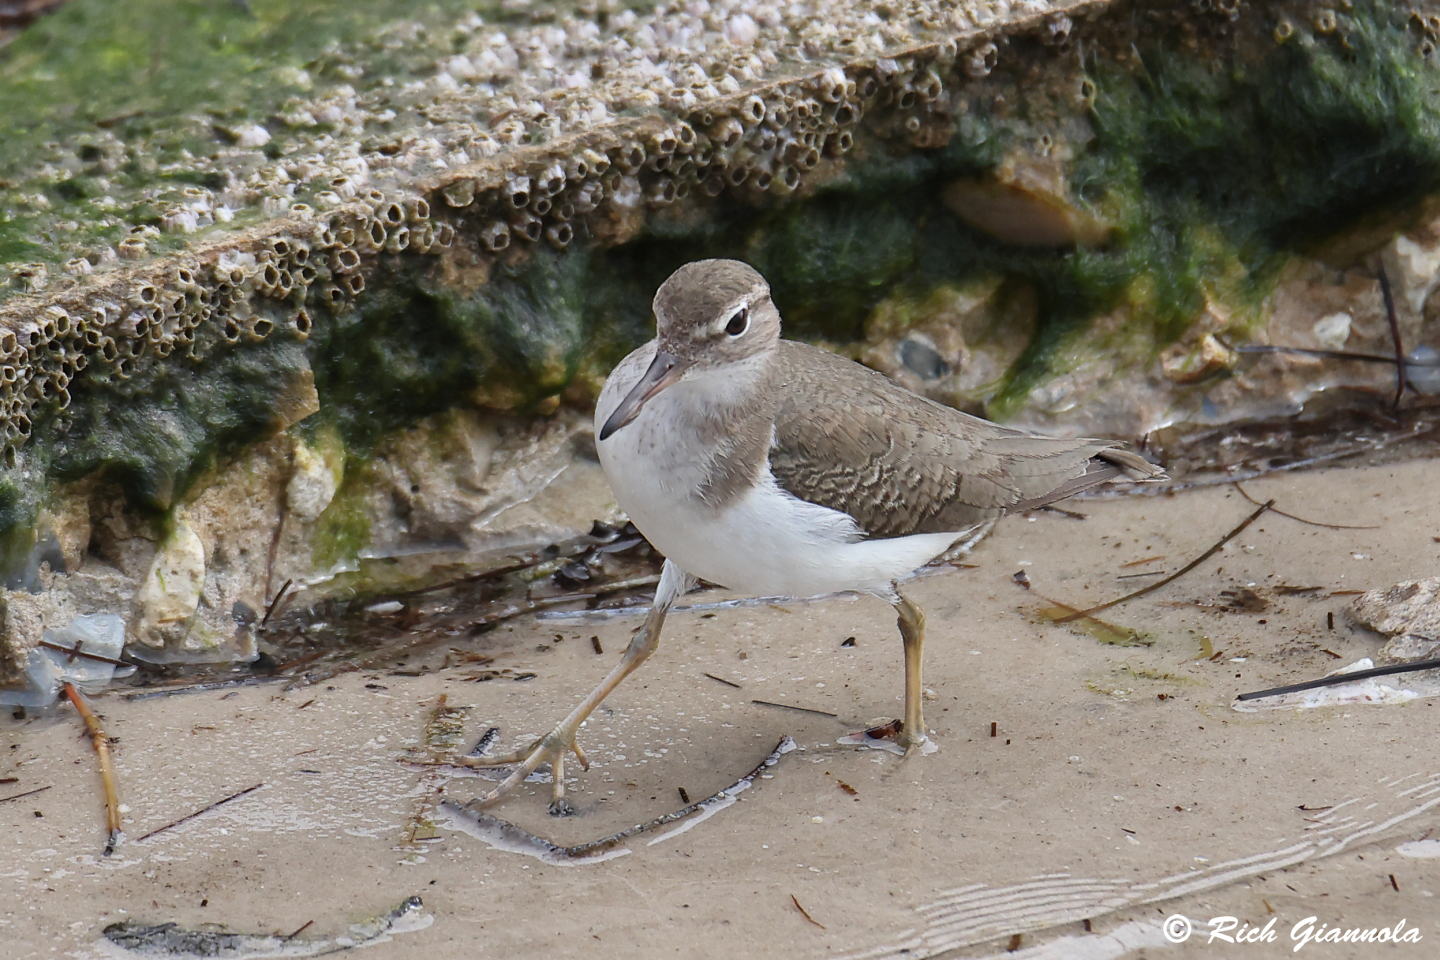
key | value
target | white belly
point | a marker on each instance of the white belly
(767, 542)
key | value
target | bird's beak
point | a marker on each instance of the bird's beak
(664, 371)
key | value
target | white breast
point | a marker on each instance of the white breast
(767, 542)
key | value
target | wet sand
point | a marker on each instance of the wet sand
(1119, 786)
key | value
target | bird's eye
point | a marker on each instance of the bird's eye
(738, 322)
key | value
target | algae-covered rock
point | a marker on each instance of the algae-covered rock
(247, 251)
(170, 592)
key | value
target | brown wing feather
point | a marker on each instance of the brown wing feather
(850, 439)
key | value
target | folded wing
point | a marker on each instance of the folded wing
(850, 439)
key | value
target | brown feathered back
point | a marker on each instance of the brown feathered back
(850, 439)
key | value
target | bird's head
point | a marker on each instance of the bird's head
(709, 314)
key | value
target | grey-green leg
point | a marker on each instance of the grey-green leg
(912, 633)
(553, 747)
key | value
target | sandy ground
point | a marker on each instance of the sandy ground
(1119, 787)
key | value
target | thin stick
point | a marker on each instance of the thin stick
(1313, 523)
(471, 578)
(202, 810)
(107, 770)
(727, 683)
(75, 651)
(1400, 374)
(199, 687)
(786, 706)
(1340, 678)
(270, 610)
(1308, 352)
(1150, 588)
(302, 928)
(804, 913)
(27, 793)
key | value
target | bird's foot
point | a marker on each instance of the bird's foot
(552, 749)
(891, 735)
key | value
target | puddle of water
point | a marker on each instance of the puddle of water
(1420, 849)
(503, 835)
(132, 939)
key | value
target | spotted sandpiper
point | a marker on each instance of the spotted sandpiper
(770, 467)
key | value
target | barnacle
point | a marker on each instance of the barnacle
(526, 225)
(981, 61)
(495, 236)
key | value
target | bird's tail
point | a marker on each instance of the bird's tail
(1106, 464)
(1132, 465)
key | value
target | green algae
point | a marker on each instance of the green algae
(142, 67)
(343, 529)
(1215, 168)
(115, 97)
(416, 347)
(156, 435)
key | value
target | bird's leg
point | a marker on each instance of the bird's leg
(909, 732)
(553, 747)
(912, 634)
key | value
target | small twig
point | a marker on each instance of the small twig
(1150, 588)
(1400, 375)
(75, 651)
(805, 914)
(727, 683)
(1339, 678)
(270, 610)
(1312, 523)
(203, 810)
(471, 578)
(301, 661)
(27, 793)
(1072, 514)
(155, 692)
(302, 928)
(786, 706)
(1309, 352)
(107, 770)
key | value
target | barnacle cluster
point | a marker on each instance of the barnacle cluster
(190, 307)
(522, 134)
